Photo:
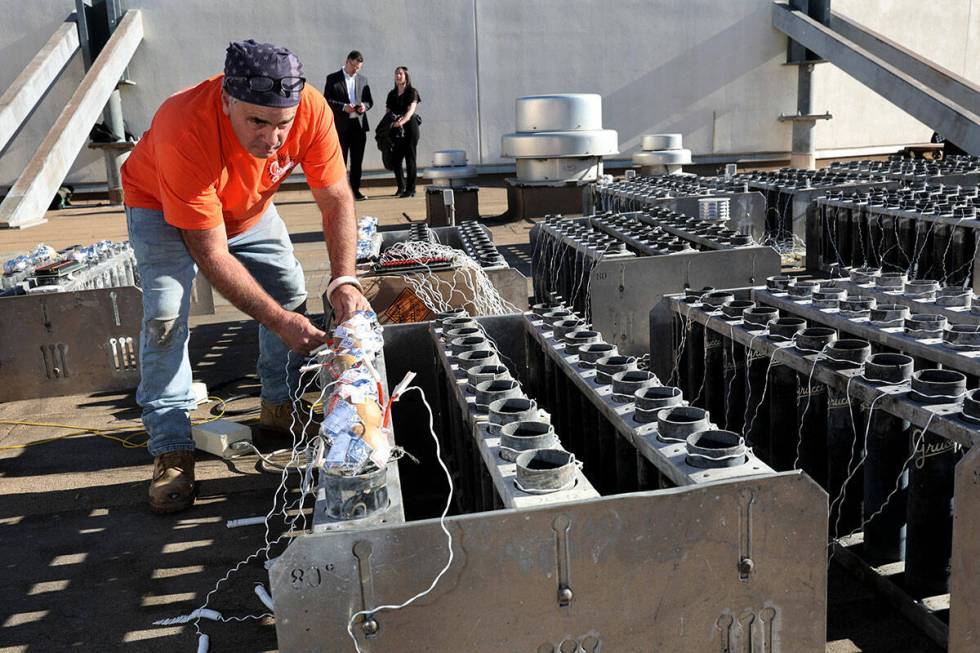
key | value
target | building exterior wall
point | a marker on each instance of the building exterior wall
(712, 70)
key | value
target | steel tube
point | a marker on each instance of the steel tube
(887, 450)
(930, 514)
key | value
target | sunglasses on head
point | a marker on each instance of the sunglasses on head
(261, 84)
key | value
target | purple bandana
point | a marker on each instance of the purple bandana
(247, 59)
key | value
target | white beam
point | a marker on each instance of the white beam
(26, 91)
(30, 196)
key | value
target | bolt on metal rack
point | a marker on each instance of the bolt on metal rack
(613, 267)
(872, 402)
(574, 558)
(922, 231)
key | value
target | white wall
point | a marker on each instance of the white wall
(707, 69)
(321, 34)
(946, 32)
(712, 69)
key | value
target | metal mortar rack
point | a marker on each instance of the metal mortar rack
(789, 192)
(640, 433)
(872, 400)
(656, 232)
(110, 267)
(957, 169)
(638, 192)
(612, 267)
(510, 455)
(741, 208)
(420, 232)
(926, 231)
(478, 245)
(77, 318)
(564, 251)
(660, 231)
(724, 555)
(469, 236)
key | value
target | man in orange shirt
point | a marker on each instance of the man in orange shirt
(199, 189)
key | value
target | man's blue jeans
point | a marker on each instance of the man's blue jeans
(167, 271)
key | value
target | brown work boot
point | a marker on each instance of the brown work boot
(276, 419)
(172, 488)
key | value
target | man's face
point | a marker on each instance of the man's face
(353, 66)
(260, 130)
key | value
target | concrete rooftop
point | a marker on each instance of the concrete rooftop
(87, 567)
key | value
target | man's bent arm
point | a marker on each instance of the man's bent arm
(336, 204)
(209, 249)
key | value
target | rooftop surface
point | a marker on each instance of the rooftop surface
(87, 567)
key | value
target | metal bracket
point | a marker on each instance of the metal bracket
(745, 563)
(362, 551)
(561, 525)
(812, 117)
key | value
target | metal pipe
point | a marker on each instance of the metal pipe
(930, 514)
(713, 398)
(887, 450)
(812, 439)
(803, 153)
(843, 448)
(784, 397)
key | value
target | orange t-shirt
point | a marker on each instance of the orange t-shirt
(191, 166)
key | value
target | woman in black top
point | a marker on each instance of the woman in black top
(402, 101)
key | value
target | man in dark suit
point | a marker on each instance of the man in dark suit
(349, 96)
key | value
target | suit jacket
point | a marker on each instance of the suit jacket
(335, 91)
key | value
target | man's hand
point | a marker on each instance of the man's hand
(348, 108)
(360, 108)
(298, 332)
(345, 300)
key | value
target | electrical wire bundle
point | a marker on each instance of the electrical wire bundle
(355, 410)
(469, 288)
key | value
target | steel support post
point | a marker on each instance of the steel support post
(114, 158)
(804, 153)
(112, 114)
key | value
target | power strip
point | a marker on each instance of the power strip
(217, 437)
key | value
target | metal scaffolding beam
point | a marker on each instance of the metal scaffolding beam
(945, 82)
(901, 86)
(30, 87)
(31, 194)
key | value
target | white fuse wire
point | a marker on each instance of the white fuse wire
(442, 525)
